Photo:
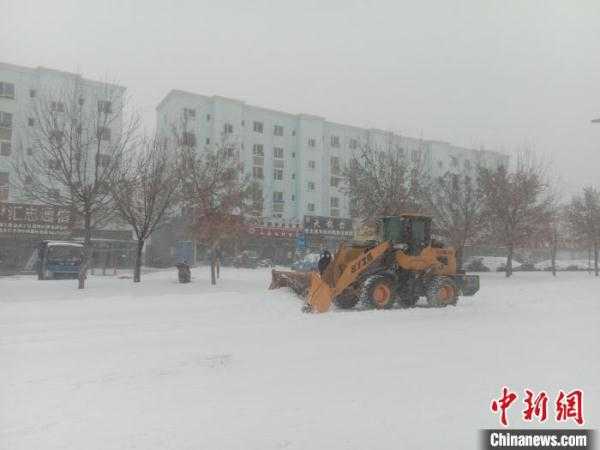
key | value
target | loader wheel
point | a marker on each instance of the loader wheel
(441, 291)
(346, 300)
(378, 292)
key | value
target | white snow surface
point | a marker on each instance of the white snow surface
(162, 365)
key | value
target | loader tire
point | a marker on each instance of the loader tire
(378, 292)
(441, 291)
(346, 300)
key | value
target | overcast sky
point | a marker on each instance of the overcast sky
(498, 74)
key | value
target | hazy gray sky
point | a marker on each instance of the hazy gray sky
(502, 74)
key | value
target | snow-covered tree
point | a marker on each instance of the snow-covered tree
(145, 192)
(76, 145)
(517, 203)
(216, 193)
(383, 182)
(584, 220)
(456, 204)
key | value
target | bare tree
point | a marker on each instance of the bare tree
(517, 203)
(456, 204)
(383, 182)
(584, 219)
(146, 192)
(215, 191)
(75, 143)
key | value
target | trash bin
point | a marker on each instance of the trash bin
(183, 272)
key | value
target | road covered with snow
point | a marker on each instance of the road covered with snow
(161, 365)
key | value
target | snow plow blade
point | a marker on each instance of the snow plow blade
(296, 281)
(307, 285)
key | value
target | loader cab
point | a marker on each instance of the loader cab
(412, 230)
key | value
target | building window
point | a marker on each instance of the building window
(258, 150)
(4, 186)
(335, 202)
(243, 122)
(32, 93)
(7, 89)
(30, 121)
(312, 142)
(258, 127)
(310, 207)
(57, 107)
(454, 161)
(103, 160)
(278, 152)
(104, 106)
(278, 174)
(227, 128)
(207, 141)
(189, 113)
(335, 181)
(188, 139)
(257, 172)
(278, 130)
(401, 151)
(293, 154)
(293, 176)
(5, 148)
(335, 165)
(53, 164)
(467, 164)
(312, 165)
(56, 137)
(208, 117)
(5, 119)
(277, 197)
(104, 133)
(311, 186)
(29, 151)
(415, 155)
(335, 141)
(81, 101)
(353, 144)
(335, 213)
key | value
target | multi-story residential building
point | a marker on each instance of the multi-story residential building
(21, 89)
(299, 158)
(26, 95)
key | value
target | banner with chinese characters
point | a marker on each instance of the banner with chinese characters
(278, 232)
(328, 226)
(18, 218)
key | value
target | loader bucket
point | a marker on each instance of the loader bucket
(296, 281)
(308, 285)
(320, 295)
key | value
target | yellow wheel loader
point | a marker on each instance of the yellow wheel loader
(401, 266)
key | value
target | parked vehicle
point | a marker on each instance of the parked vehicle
(57, 259)
(247, 259)
(477, 265)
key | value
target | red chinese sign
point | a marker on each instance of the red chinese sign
(568, 406)
(17, 218)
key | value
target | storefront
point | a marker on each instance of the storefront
(326, 232)
(23, 226)
(278, 243)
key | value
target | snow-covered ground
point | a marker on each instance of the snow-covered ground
(162, 365)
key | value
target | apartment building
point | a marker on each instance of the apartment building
(23, 91)
(21, 88)
(298, 158)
